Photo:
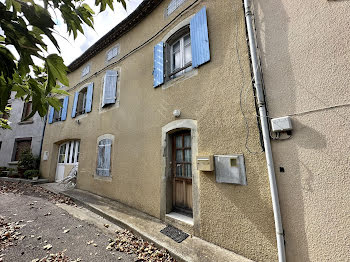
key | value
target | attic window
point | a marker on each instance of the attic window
(86, 70)
(174, 4)
(113, 52)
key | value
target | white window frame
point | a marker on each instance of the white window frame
(182, 56)
(72, 146)
(114, 51)
(86, 70)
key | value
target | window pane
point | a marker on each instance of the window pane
(178, 170)
(178, 155)
(78, 151)
(188, 54)
(176, 47)
(187, 141)
(187, 155)
(188, 170)
(179, 142)
(176, 60)
(69, 147)
(187, 40)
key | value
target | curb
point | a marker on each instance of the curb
(124, 226)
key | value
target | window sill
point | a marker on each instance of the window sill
(26, 122)
(103, 178)
(12, 163)
(180, 78)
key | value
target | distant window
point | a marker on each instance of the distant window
(27, 109)
(81, 106)
(113, 52)
(21, 145)
(174, 4)
(57, 115)
(104, 157)
(86, 70)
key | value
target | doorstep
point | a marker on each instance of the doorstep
(191, 249)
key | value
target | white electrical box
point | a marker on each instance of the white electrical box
(45, 155)
(230, 169)
(205, 163)
(281, 124)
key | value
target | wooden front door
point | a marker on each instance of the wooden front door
(182, 172)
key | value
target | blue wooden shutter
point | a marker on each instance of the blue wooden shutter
(199, 38)
(110, 87)
(104, 157)
(75, 103)
(90, 91)
(158, 65)
(52, 111)
(64, 109)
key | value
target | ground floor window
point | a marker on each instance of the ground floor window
(21, 145)
(104, 157)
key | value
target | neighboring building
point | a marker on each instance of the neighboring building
(305, 57)
(24, 133)
(137, 135)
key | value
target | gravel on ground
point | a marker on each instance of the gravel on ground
(37, 225)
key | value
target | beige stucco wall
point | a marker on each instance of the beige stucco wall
(238, 218)
(305, 56)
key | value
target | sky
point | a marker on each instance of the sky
(103, 22)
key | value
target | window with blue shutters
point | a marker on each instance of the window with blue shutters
(83, 101)
(104, 157)
(109, 94)
(61, 115)
(186, 49)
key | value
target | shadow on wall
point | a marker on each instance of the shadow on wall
(272, 30)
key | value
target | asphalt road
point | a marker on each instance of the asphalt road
(81, 234)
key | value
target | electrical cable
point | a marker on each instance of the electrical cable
(240, 95)
(136, 48)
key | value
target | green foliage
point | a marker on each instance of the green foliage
(27, 161)
(29, 174)
(24, 25)
(4, 123)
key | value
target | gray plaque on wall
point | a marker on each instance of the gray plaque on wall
(230, 169)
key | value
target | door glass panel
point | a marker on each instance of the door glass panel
(178, 155)
(187, 141)
(188, 170)
(187, 155)
(62, 154)
(78, 151)
(68, 144)
(178, 170)
(179, 142)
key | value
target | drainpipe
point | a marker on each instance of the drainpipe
(265, 130)
(42, 136)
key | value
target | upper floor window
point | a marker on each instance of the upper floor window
(61, 115)
(85, 70)
(104, 157)
(83, 100)
(174, 4)
(27, 109)
(109, 93)
(113, 52)
(81, 107)
(179, 55)
(185, 49)
(58, 114)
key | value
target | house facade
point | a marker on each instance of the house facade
(25, 133)
(305, 56)
(153, 104)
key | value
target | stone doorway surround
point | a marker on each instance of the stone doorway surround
(193, 226)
